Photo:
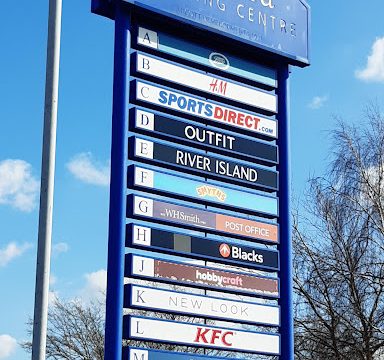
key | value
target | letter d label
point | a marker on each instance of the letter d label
(145, 120)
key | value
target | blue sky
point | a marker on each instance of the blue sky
(347, 71)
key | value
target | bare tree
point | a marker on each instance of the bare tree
(75, 331)
(339, 259)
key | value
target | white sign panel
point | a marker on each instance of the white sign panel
(195, 106)
(201, 335)
(213, 85)
(206, 306)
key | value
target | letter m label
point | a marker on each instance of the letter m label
(136, 354)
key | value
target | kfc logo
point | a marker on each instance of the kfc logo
(213, 337)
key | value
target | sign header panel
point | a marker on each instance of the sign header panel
(147, 298)
(277, 26)
(166, 212)
(147, 238)
(201, 335)
(154, 269)
(192, 134)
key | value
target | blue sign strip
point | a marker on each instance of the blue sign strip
(202, 248)
(134, 353)
(205, 277)
(206, 192)
(175, 129)
(279, 27)
(192, 51)
(132, 331)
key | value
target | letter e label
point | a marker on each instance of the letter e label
(144, 148)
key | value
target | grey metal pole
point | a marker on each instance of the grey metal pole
(47, 182)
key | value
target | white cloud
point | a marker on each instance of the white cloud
(52, 279)
(12, 251)
(318, 102)
(374, 69)
(95, 287)
(7, 346)
(60, 248)
(18, 187)
(85, 168)
(53, 296)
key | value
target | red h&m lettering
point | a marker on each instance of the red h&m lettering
(213, 337)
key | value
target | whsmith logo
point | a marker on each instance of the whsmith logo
(219, 61)
(211, 191)
(238, 253)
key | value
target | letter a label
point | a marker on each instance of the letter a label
(148, 38)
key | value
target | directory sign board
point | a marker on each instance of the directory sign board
(225, 117)
(153, 299)
(208, 56)
(280, 27)
(192, 105)
(186, 216)
(204, 248)
(183, 273)
(200, 163)
(192, 134)
(199, 190)
(200, 335)
(211, 84)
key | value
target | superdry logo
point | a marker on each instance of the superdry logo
(213, 337)
(225, 250)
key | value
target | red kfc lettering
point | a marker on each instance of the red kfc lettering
(201, 335)
(224, 338)
(213, 337)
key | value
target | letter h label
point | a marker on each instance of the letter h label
(141, 235)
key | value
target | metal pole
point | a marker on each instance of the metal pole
(47, 182)
(286, 277)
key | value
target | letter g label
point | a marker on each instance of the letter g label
(143, 206)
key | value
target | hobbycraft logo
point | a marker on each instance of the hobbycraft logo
(213, 337)
(211, 277)
(225, 250)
